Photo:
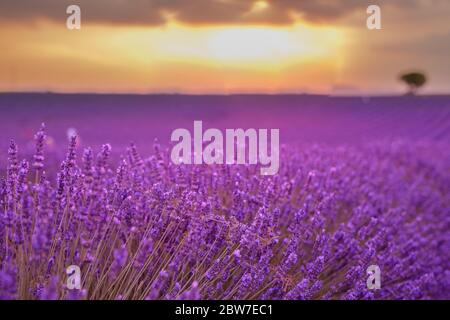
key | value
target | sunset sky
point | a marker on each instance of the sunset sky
(223, 46)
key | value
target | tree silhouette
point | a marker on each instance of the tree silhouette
(414, 80)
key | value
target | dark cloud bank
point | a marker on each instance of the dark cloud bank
(153, 12)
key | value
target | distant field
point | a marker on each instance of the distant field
(119, 119)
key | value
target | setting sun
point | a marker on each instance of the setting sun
(270, 45)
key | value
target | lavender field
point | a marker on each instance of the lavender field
(362, 181)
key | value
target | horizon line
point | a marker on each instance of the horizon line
(165, 93)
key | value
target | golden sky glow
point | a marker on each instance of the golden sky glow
(260, 5)
(170, 59)
(270, 57)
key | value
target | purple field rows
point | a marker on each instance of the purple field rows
(362, 182)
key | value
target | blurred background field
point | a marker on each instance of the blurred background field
(120, 119)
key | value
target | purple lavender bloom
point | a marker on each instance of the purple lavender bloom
(38, 157)
(144, 228)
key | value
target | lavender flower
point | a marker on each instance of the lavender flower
(38, 157)
(144, 228)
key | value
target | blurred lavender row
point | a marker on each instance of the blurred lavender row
(119, 119)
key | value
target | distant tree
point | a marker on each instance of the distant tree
(414, 80)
